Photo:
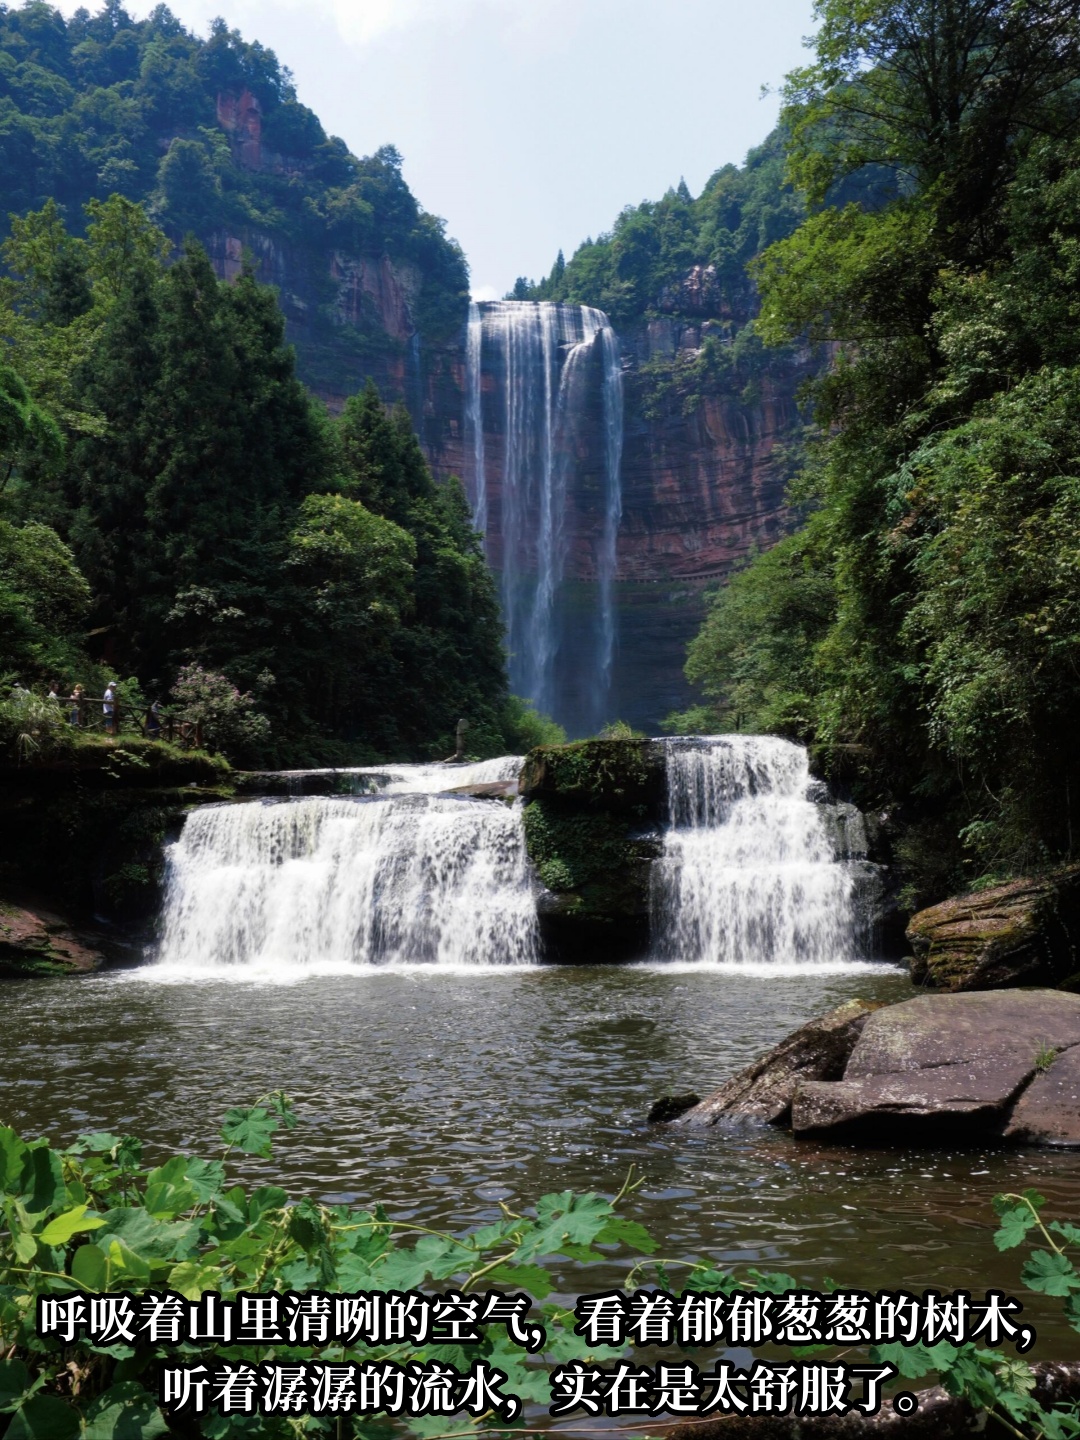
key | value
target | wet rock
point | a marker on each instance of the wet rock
(943, 1067)
(487, 790)
(670, 1107)
(1025, 932)
(617, 776)
(37, 943)
(763, 1091)
(1048, 1112)
(590, 819)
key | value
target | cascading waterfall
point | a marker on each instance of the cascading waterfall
(757, 867)
(408, 876)
(544, 354)
(474, 419)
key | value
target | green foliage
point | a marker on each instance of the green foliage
(523, 727)
(921, 627)
(94, 1219)
(754, 655)
(32, 728)
(641, 268)
(210, 135)
(43, 603)
(229, 720)
(571, 849)
(225, 524)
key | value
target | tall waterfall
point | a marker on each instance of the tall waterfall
(757, 869)
(559, 405)
(406, 877)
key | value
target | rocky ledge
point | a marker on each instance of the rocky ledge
(34, 942)
(1025, 932)
(939, 1068)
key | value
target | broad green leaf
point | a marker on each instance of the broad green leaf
(533, 1279)
(147, 1235)
(1050, 1274)
(90, 1267)
(267, 1197)
(40, 1184)
(60, 1230)
(125, 1412)
(1014, 1226)
(14, 1382)
(250, 1130)
(126, 1262)
(13, 1155)
(206, 1177)
(101, 1142)
(191, 1278)
(1070, 1232)
(25, 1246)
(629, 1232)
(43, 1417)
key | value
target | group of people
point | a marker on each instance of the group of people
(78, 701)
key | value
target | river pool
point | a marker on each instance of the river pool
(440, 1092)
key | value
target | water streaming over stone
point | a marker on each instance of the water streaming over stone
(758, 867)
(408, 876)
(558, 400)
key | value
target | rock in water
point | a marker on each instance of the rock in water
(764, 1090)
(36, 943)
(1026, 932)
(1048, 1112)
(961, 1068)
(951, 1066)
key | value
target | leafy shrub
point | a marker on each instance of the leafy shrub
(230, 721)
(93, 1219)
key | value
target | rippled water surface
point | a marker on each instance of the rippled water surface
(440, 1093)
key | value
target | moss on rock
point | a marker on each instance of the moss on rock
(589, 827)
(1024, 932)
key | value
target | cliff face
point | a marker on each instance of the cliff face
(703, 476)
(703, 461)
(350, 313)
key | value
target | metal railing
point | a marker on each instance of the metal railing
(89, 713)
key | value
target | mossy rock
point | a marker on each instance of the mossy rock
(623, 776)
(128, 762)
(1023, 932)
(36, 943)
(595, 868)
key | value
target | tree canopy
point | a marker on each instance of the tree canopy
(206, 512)
(922, 628)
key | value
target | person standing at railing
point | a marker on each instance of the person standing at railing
(108, 707)
(153, 721)
(76, 702)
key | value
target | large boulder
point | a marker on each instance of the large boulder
(956, 1067)
(763, 1091)
(591, 826)
(34, 942)
(1048, 1112)
(1026, 932)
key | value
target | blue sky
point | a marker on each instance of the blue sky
(528, 124)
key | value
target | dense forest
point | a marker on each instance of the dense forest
(209, 137)
(916, 216)
(922, 627)
(175, 504)
(176, 511)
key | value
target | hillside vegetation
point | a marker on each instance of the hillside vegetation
(923, 628)
(209, 136)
